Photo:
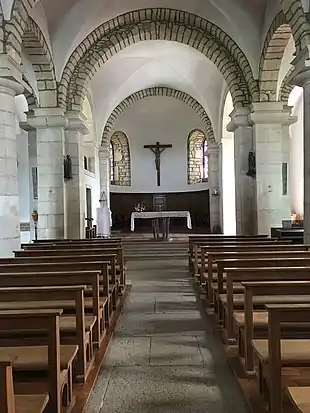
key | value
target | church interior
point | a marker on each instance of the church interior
(154, 206)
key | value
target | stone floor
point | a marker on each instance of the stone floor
(164, 356)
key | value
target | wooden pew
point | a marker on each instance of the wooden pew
(258, 259)
(275, 354)
(270, 292)
(300, 398)
(95, 305)
(32, 298)
(239, 275)
(200, 259)
(52, 358)
(91, 240)
(196, 241)
(80, 250)
(12, 403)
(258, 248)
(107, 289)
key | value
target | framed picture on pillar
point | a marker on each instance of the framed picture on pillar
(284, 178)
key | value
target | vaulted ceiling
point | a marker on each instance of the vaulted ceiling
(154, 63)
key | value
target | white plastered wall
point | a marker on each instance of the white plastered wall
(168, 121)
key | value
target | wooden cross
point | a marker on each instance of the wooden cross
(157, 150)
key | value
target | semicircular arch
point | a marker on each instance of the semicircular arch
(158, 91)
(156, 24)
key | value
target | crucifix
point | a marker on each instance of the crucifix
(157, 150)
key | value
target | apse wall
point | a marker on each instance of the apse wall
(168, 121)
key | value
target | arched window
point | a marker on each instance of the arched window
(197, 148)
(120, 171)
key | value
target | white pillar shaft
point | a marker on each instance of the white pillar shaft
(51, 188)
(104, 165)
(272, 149)
(75, 188)
(213, 177)
(273, 203)
(9, 199)
(244, 185)
(306, 87)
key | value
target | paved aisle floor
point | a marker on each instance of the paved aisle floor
(164, 356)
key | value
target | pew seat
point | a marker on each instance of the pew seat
(300, 397)
(260, 320)
(35, 358)
(293, 352)
(260, 301)
(32, 403)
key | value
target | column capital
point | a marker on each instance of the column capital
(77, 122)
(213, 148)
(270, 113)
(240, 117)
(44, 118)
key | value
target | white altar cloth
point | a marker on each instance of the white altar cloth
(162, 214)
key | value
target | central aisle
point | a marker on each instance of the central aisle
(164, 356)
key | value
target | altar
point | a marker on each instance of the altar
(161, 221)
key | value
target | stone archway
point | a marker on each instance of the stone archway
(42, 62)
(291, 21)
(276, 41)
(157, 91)
(156, 24)
(286, 88)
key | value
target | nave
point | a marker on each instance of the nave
(164, 356)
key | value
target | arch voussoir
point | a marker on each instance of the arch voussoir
(154, 24)
(158, 91)
(42, 63)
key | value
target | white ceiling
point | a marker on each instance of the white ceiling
(156, 63)
(70, 21)
(65, 23)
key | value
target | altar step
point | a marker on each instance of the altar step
(154, 250)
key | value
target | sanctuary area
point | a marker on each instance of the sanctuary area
(154, 206)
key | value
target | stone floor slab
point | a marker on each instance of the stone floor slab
(129, 352)
(176, 350)
(163, 390)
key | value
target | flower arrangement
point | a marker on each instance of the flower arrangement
(139, 207)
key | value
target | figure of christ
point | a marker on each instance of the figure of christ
(157, 150)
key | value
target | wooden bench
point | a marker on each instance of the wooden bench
(199, 253)
(95, 305)
(259, 248)
(52, 358)
(276, 356)
(229, 301)
(199, 240)
(80, 250)
(109, 286)
(300, 398)
(73, 330)
(12, 403)
(270, 292)
(259, 259)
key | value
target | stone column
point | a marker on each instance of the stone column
(9, 199)
(241, 126)
(300, 76)
(213, 177)
(272, 150)
(104, 168)
(75, 188)
(50, 124)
